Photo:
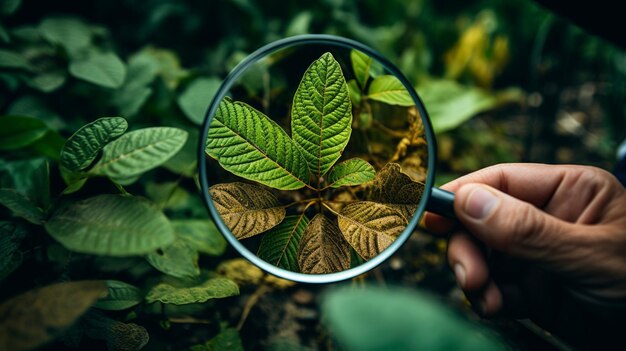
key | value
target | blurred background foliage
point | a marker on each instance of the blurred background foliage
(503, 81)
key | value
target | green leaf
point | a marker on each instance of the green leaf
(322, 248)
(389, 89)
(361, 64)
(11, 59)
(227, 340)
(321, 115)
(84, 145)
(111, 225)
(30, 177)
(196, 98)
(139, 151)
(36, 317)
(21, 206)
(370, 227)
(48, 81)
(246, 209)
(185, 162)
(49, 146)
(250, 145)
(300, 24)
(450, 103)
(11, 236)
(406, 319)
(279, 245)
(202, 235)
(104, 69)
(354, 171)
(213, 288)
(355, 92)
(20, 131)
(120, 297)
(70, 33)
(133, 94)
(397, 190)
(177, 259)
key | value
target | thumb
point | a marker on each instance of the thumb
(508, 224)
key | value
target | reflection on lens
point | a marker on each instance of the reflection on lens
(318, 158)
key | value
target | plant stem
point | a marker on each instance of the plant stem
(330, 209)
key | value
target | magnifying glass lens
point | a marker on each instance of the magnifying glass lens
(315, 157)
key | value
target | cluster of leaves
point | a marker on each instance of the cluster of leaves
(321, 126)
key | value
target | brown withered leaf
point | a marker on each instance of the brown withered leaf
(38, 316)
(396, 189)
(322, 248)
(246, 209)
(370, 227)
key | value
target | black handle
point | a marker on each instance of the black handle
(441, 202)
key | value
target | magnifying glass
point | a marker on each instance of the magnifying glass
(299, 159)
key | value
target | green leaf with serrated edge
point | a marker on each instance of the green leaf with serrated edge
(111, 225)
(246, 209)
(104, 69)
(354, 171)
(10, 59)
(196, 98)
(321, 115)
(370, 227)
(177, 259)
(33, 318)
(389, 89)
(279, 245)
(200, 234)
(213, 288)
(396, 189)
(11, 236)
(20, 131)
(21, 206)
(83, 146)
(323, 248)
(139, 151)
(71, 33)
(120, 297)
(250, 145)
(361, 64)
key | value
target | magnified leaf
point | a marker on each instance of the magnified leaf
(389, 89)
(38, 316)
(250, 145)
(83, 146)
(361, 64)
(111, 225)
(139, 151)
(213, 288)
(246, 209)
(323, 248)
(396, 189)
(20, 131)
(321, 115)
(351, 172)
(201, 235)
(21, 206)
(104, 69)
(177, 259)
(280, 244)
(370, 227)
(120, 296)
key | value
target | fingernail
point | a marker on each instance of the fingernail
(459, 273)
(480, 203)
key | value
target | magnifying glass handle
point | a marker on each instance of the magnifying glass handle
(441, 202)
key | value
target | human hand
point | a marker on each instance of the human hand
(563, 223)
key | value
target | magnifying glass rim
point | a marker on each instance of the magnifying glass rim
(311, 39)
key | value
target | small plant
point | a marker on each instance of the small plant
(250, 145)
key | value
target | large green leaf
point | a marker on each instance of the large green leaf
(250, 145)
(104, 69)
(354, 171)
(323, 248)
(213, 288)
(196, 98)
(20, 131)
(321, 115)
(202, 235)
(361, 64)
(178, 259)
(246, 209)
(21, 206)
(450, 103)
(139, 151)
(71, 33)
(11, 236)
(111, 225)
(405, 319)
(280, 244)
(120, 297)
(83, 146)
(389, 89)
(370, 227)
